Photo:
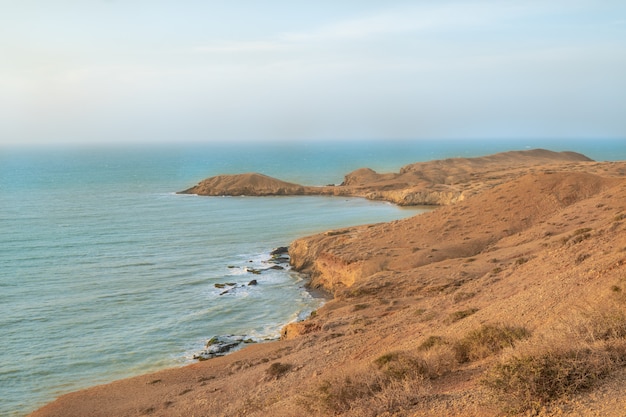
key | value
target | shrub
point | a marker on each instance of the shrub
(486, 341)
(529, 381)
(431, 342)
(462, 295)
(363, 393)
(277, 369)
(603, 323)
(400, 365)
(341, 392)
(459, 315)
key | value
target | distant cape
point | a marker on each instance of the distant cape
(439, 182)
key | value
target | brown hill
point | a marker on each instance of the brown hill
(440, 182)
(250, 184)
(509, 302)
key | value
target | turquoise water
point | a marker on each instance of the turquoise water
(105, 272)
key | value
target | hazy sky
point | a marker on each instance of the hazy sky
(154, 70)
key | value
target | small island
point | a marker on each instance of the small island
(508, 299)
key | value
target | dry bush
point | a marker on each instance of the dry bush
(394, 382)
(459, 315)
(529, 381)
(431, 342)
(593, 347)
(401, 365)
(486, 341)
(606, 321)
(339, 394)
(439, 360)
(277, 369)
(366, 393)
(397, 398)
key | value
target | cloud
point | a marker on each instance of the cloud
(240, 46)
(443, 16)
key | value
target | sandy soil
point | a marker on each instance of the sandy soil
(533, 240)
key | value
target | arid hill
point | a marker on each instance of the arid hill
(511, 301)
(439, 182)
(251, 184)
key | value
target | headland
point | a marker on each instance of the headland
(508, 299)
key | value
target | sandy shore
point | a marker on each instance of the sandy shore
(523, 263)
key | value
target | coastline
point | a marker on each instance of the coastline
(389, 293)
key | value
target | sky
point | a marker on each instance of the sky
(152, 71)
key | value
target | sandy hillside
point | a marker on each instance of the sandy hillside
(509, 301)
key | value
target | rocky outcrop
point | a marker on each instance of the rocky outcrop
(221, 345)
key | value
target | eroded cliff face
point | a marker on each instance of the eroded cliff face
(418, 197)
(339, 259)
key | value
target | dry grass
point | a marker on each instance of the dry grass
(486, 341)
(277, 369)
(366, 393)
(431, 342)
(567, 363)
(527, 381)
(460, 315)
(394, 382)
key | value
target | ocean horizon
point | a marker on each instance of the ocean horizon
(108, 273)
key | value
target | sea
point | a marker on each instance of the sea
(106, 272)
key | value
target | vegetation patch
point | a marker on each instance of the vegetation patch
(528, 382)
(460, 315)
(338, 395)
(363, 393)
(486, 341)
(462, 295)
(431, 342)
(400, 365)
(277, 370)
(595, 348)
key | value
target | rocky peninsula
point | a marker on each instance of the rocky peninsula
(508, 299)
(441, 182)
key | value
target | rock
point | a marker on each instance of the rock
(253, 271)
(218, 285)
(253, 282)
(277, 267)
(219, 346)
(280, 251)
(279, 260)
